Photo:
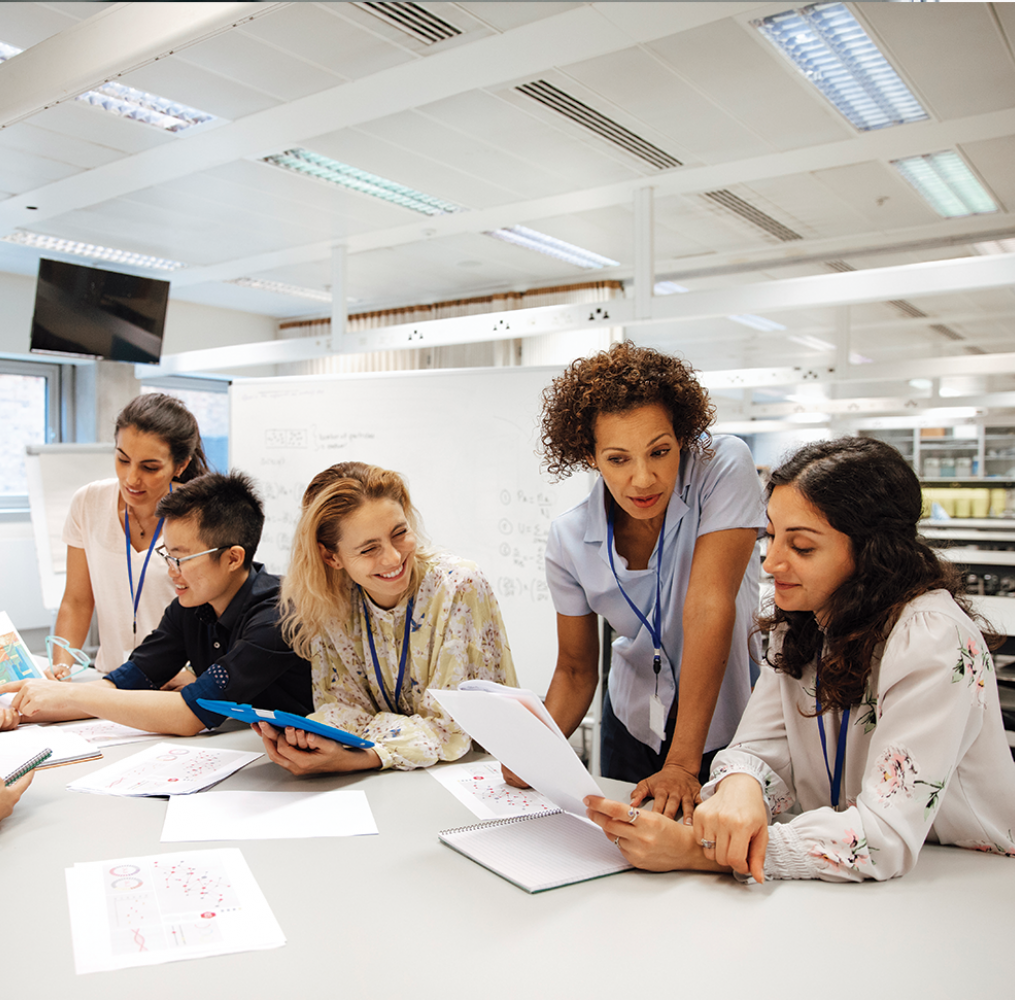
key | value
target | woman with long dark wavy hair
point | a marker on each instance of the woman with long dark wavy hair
(878, 715)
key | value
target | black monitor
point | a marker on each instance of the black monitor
(87, 311)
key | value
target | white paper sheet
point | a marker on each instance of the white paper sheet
(165, 769)
(166, 908)
(104, 733)
(482, 788)
(268, 816)
(17, 745)
(516, 737)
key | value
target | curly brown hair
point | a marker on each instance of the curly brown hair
(614, 381)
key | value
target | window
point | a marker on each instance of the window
(208, 400)
(29, 414)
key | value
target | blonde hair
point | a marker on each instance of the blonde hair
(315, 595)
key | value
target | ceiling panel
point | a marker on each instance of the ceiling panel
(878, 194)
(953, 53)
(697, 129)
(319, 35)
(779, 106)
(179, 80)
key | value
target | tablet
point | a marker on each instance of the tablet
(247, 713)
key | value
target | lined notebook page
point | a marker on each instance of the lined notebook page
(539, 851)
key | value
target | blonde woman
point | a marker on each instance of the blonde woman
(383, 621)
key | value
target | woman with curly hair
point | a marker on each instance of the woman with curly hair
(382, 622)
(662, 549)
(878, 714)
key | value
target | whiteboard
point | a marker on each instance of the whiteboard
(55, 473)
(464, 440)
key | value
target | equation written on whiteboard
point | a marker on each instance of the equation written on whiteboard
(319, 439)
(524, 529)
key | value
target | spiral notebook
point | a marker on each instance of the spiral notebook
(540, 850)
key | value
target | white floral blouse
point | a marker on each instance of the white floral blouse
(926, 756)
(456, 634)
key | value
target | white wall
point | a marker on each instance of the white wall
(17, 299)
(191, 327)
(20, 590)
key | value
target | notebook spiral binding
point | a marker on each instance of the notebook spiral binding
(506, 821)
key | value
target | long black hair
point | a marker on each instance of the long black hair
(865, 489)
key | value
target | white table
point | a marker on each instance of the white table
(401, 915)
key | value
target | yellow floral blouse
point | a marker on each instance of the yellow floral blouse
(456, 634)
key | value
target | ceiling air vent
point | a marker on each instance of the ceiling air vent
(839, 266)
(729, 201)
(581, 114)
(908, 308)
(413, 20)
(946, 331)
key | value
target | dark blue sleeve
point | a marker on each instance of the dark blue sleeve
(129, 677)
(210, 684)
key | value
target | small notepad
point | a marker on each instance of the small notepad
(539, 851)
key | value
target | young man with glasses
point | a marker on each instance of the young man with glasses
(223, 622)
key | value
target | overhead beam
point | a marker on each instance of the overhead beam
(121, 38)
(910, 280)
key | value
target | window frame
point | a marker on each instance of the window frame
(56, 384)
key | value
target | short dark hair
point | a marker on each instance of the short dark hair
(226, 510)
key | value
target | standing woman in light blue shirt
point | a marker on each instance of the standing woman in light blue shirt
(663, 549)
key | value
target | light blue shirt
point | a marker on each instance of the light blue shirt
(714, 494)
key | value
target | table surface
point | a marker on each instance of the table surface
(400, 914)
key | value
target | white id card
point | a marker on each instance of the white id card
(657, 716)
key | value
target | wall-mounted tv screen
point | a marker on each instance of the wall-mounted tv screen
(96, 313)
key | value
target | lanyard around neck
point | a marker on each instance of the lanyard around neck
(135, 599)
(401, 661)
(834, 781)
(654, 628)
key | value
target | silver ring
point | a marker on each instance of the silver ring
(707, 844)
(632, 815)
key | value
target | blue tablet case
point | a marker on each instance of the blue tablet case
(247, 713)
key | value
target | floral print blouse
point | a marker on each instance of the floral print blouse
(456, 634)
(926, 756)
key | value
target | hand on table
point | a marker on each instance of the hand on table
(9, 718)
(735, 821)
(34, 696)
(671, 788)
(649, 840)
(9, 796)
(180, 680)
(303, 753)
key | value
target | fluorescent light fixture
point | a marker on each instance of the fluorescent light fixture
(951, 413)
(925, 384)
(814, 343)
(54, 244)
(945, 182)
(310, 164)
(995, 246)
(828, 46)
(541, 243)
(668, 288)
(137, 105)
(855, 358)
(281, 288)
(757, 322)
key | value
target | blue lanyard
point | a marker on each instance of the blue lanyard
(136, 600)
(834, 782)
(401, 662)
(654, 630)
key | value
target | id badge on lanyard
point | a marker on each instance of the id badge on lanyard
(656, 709)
